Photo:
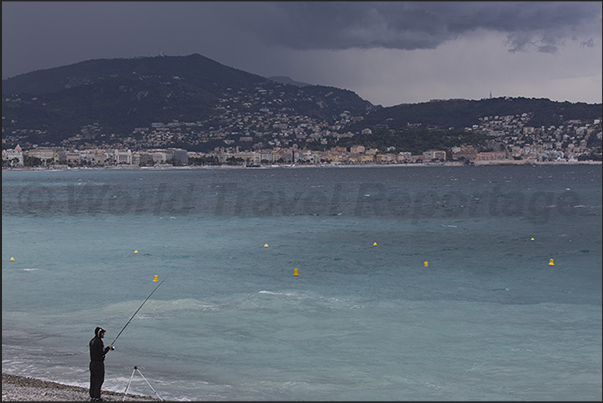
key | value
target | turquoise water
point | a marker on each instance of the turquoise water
(487, 319)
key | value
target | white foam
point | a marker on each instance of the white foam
(287, 294)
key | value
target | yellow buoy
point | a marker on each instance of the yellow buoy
(265, 245)
(375, 244)
(532, 239)
(551, 262)
(156, 278)
(425, 264)
(12, 259)
(295, 272)
(135, 252)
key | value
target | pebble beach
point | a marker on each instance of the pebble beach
(17, 388)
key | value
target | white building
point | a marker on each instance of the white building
(14, 157)
(122, 157)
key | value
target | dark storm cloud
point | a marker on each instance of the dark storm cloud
(373, 48)
(542, 26)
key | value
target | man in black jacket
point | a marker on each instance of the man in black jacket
(97, 363)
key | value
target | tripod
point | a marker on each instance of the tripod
(136, 369)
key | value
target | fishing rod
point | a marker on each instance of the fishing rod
(139, 309)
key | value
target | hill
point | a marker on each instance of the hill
(118, 95)
(461, 113)
(288, 80)
(196, 103)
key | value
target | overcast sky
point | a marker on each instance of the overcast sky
(387, 52)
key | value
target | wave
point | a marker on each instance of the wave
(314, 301)
(287, 294)
(152, 308)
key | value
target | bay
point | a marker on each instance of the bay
(414, 283)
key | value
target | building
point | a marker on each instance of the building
(143, 159)
(47, 156)
(358, 149)
(177, 156)
(306, 156)
(69, 157)
(87, 157)
(100, 157)
(250, 158)
(362, 158)
(466, 153)
(385, 158)
(157, 156)
(404, 156)
(14, 156)
(122, 157)
(437, 155)
(491, 156)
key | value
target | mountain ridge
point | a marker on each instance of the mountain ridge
(288, 80)
(122, 94)
(90, 71)
(114, 100)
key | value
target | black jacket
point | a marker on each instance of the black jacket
(97, 349)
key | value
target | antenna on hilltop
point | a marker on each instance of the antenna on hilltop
(490, 94)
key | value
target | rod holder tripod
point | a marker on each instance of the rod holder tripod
(127, 387)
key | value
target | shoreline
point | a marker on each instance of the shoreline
(22, 388)
(294, 166)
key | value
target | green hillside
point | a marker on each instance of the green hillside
(122, 94)
(465, 113)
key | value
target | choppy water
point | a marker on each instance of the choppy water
(365, 319)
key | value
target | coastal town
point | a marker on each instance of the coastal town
(268, 136)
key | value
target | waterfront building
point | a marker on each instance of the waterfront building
(14, 156)
(46, 155)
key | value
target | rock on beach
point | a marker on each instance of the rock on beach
(20, 388)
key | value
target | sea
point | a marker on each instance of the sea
(414, 283)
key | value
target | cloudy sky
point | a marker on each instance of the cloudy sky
(387, 52)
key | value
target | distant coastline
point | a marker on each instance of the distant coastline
(282, 166)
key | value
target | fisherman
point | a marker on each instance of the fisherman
(97, 363)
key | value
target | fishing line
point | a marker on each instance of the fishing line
(139, 309)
